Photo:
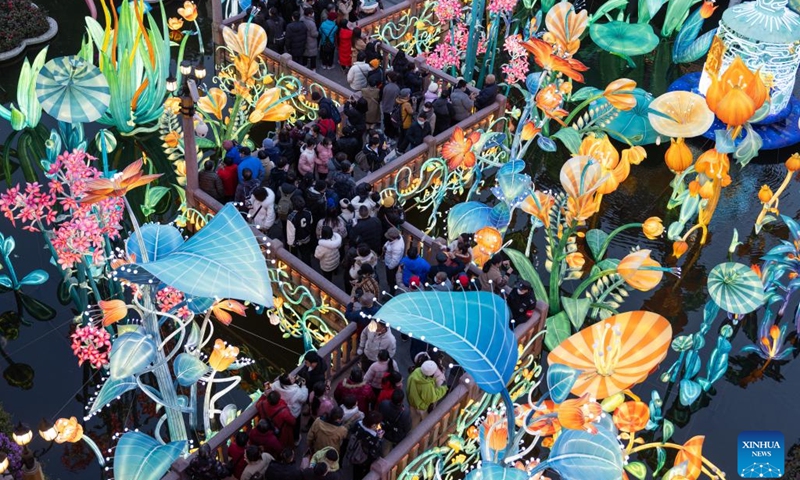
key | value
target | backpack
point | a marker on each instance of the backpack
(397, 115)
(363, 162)
(284, 205)
(356, 450)
(336, 115)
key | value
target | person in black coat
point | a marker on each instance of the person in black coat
(349, 143)
(368, 230)
(356, 112)
(413, 79)
(443, 110)
(400, 66)
(296, 36)
(522, 303)
(275, 26)
(314, 368)
(417, 132)
(487, 93)
(284, 468)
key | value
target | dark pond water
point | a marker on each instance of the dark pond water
(743, 400)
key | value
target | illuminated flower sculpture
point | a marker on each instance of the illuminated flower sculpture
(458, 151)
(615, 354)
(736, 95)
(69, 430)
(130, 178)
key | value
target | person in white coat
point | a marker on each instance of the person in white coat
(327, 251)
(373, 342)
(393, 251)
(262, 211)
(294, 392)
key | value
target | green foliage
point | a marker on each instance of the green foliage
(6, 421)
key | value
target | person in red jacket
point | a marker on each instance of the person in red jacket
(264, 436)
(356, 386)
(229, 174)
(390, 382)
(344, 43)
(273, 407)
(236, 454)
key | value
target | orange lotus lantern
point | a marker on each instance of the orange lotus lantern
(489, 241)
(616, 353)
(736, 95)
(631, 417)
(640, 271)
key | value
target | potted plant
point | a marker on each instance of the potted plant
(22, 23)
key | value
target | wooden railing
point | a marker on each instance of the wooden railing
(393, 14)
(298, 273)
(341, 354)
(434, 430)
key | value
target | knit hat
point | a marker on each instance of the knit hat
(393, 234)
(405, 93)
(463, 279)
(374, 63)
(267, 144)
(388, 201)
(429, 368)
(433, 87)
(414, 281)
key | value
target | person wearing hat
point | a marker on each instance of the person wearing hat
(375, 75)
(327, 42)
(366, 282)
(390, 213)
(432, 93)
(423, 392)
(413, 265)
(361, 311)
(522, 303)
(392, 254)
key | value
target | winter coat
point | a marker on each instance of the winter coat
(375, 76)
(210, 183)
(254, 164)
(325, 434)
(315, 375)
(245, 189)
(393, 252)
(263, 213)
(324, 155)
(281, 418)
(369, 231)
(418, 266)
(327, 253)
(360, 316)
(369, 440)
(395, 416)
(486, 96)
(230, 178)
(389, 97)
(327, 32)
(376, 371)
(462, 105)
(362, 391)
(422, 391)
(406, 113)
(371, 259)
(296, 39)
(444, 111)
(306, 162)
(373, 342)
(345, 46)
(283, 471)
(312, 37)
(372, 96)
(275, 27)
(339, 227)
(355, 117)
(416, 133)
(267, 440)
(294, 395)
(257, 467)
(299, 227)
(352, 415)
(357, 76)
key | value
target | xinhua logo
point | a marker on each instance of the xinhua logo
(760, 454)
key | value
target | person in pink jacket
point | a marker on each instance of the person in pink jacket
(308, 159)
(324, 154)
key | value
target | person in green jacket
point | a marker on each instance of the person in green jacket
(423, 392)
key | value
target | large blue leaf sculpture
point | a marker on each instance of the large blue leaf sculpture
(159, 241)
(494, 471)
(579, 455)
(223, 260)
(141, 457)
(112, 389)
(472, 327)
(131, 354)
(469, 217)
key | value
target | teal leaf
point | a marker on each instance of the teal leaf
(698, 48)
(690, 390)
(630, 125)
(532, 82)
(472, 327)
(668, 430)
(524, 269)
(570, 138)
(111, 389)
(682, 343)
(8, 245)
(677, 11)
(595, 239)
(494, 471)
(36, 277)
(469, 217)
(153, 196)
(678, 471)
(584, 93)
(576, 309)
(5, 282)
(637, 469)
(159, 241)
(724, 142)
(578, 454)
(222, 260)
(141, 457)
(38, 310)
(204, 143)
(189, 369)
(687, 35)
(560, 380)
(131, 354)
(661, 456)
(512, 188)
(748, 148)
(558, 330)
(718, 362)
(623, 38)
